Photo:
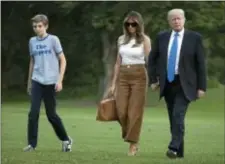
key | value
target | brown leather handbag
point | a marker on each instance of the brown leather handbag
(107, 110)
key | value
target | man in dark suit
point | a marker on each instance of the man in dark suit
(177, 65)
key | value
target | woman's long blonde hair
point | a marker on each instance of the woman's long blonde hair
(135, 16)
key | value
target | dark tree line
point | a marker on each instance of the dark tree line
(89, 30)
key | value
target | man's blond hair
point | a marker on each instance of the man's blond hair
(175, 11)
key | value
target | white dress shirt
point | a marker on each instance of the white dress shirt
(180, 39)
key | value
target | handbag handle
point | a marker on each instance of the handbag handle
(109, 95)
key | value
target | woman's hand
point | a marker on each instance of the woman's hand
(112, 89)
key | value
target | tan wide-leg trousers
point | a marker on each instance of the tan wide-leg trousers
(130, 100)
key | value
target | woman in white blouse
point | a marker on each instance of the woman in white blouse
(130, 78)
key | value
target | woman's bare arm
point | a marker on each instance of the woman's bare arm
(147, 48)
(116, 69)
(118, 62)
(147, 45)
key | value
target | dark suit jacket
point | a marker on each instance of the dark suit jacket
(191, 67)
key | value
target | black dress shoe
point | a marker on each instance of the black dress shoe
(180, 155)
(171, 154)
(180, 152)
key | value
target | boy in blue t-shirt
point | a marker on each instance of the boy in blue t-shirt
(46, 72)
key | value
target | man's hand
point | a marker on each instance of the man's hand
(154, 86)
(200, 93)
(29, 88)
(58, 87)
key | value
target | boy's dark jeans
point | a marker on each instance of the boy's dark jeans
(48, 94)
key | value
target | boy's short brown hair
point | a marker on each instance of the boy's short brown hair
(40, 18)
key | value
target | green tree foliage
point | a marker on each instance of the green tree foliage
(89, 31)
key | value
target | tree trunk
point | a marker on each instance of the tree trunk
(109, 56)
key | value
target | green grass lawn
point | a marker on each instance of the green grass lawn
(100, 143)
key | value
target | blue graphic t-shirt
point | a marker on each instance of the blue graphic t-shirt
(45, 53)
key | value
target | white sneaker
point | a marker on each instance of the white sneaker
(67, 145)
(28, 148)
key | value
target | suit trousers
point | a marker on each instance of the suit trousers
(130, 100)
(177, 105)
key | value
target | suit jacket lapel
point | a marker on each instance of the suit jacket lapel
(183, 44)
(166, 45)
(167, 41)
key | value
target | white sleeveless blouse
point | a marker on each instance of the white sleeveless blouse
(131, 55)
